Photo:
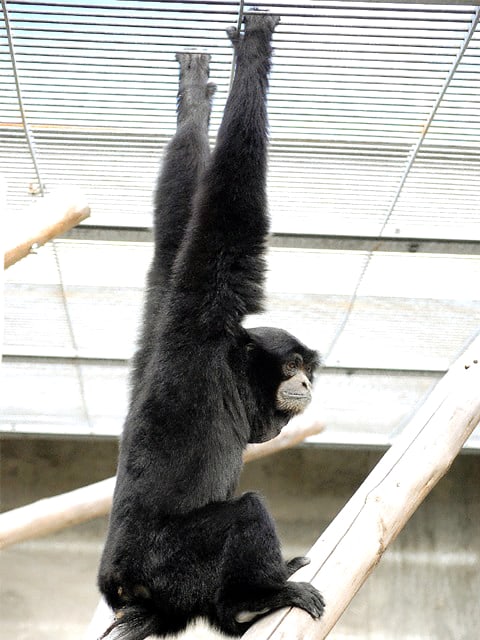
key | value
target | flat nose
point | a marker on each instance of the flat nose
(306, 382)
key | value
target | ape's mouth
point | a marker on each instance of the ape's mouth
(293, 402)
(301, 397)
(292, 394)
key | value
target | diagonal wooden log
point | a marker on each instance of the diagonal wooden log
(350, 548)
(47, 218)
(67, 509)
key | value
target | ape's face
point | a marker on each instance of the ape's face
(295, 390)
(284, 368)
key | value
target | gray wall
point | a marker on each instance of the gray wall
(425, 588)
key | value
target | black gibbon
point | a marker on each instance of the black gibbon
(180, 545)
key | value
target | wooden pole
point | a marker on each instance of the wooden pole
(47, 218)
(350, 548)
(290, 436)
(67, 509)
(55, 513)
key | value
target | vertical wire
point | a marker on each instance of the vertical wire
(28, 135)
(234, 55)
(411, 159)
(73, 340)
(426, 127)
(31, 146)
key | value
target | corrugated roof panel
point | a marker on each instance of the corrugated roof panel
(414, 311)
(352, 87)
(378, 404)
(54, 402)
(64, 397)
(375, 129)
(443, 186)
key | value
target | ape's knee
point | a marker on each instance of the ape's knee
(251, 501)
(254, 510)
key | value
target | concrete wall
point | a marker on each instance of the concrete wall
(425, 588)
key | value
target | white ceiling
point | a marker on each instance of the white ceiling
(375, 132)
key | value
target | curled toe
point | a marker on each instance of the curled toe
(233, 34)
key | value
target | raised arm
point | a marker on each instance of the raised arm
(220, 269)
(184, 162)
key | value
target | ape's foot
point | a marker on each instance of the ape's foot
(260, 21)
(235, 618)
(234, 35)
(194, 67)
(195, 93)
(257, 24)
(306, 597)
(295, 564)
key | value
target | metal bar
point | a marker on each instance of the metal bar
(234, 55)
(92, 233)
(10, 356)
(291, 6)
(66, 309)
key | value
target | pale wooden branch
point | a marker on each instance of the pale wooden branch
(55, 513)
(67, 509)
(350, 548)
(290, 436)
(45, 219)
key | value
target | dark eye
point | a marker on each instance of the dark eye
(308, 368)
(291, 366)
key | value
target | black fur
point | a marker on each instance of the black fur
(180, 545)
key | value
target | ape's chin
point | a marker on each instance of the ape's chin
(293, 403)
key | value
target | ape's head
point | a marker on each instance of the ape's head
(281, 371)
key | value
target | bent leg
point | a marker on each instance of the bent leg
(222, 562)
(254, 574)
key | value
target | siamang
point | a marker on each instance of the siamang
(180, 545)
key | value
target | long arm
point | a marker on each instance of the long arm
(184, 163)
(220, 269)
(186, 157)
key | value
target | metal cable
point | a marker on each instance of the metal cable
(234, 54)
(411, 159)
(71, 331)
(41, 190)
(28, 135)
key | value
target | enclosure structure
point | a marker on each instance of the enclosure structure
(374, 187)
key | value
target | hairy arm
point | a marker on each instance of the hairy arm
(184, 162)
(219, 272)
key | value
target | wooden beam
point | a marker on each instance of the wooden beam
(65, 510)
(47, 218)
(351, 547)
